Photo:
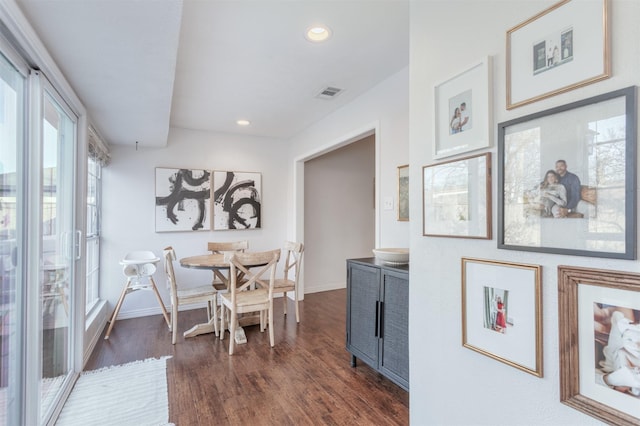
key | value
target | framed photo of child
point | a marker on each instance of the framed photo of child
(600, 351)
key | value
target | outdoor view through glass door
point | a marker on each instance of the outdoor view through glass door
(58, 247)
(11, 132)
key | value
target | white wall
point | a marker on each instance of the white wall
(384, 109)
(450, 384)
(128, 186)
(339, 213)
(129, 206)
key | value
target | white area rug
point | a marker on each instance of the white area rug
(130, 394)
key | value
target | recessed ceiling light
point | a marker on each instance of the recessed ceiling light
(243, 122)
(318, 33)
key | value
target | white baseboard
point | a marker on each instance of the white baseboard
(325, 287)
(137, 313)
(93, 329)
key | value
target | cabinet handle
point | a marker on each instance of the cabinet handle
(377, 317)
(381, 325)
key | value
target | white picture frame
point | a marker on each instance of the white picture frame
(237, 200)
(579, 30)
(472, 130)
(182, 201)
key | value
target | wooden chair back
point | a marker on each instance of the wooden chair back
(169, 256)
(223, 247)
(243, 277)
(293, 259)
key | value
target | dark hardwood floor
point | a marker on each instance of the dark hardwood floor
(306, 379)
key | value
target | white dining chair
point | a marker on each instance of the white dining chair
(289, 282)
(251, 293)
(187, 296)
(222, 247)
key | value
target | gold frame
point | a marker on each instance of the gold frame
(536, 310)
(588, 79)
(450, 222)
(403, 194)
(569, 278)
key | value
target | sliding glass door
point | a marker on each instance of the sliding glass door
(12, 225)
(39, 245)
(59, 245)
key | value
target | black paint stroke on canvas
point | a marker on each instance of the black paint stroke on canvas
(231, 197)
(178, 184)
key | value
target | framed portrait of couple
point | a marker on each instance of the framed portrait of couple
(567, 178)
(462, 111)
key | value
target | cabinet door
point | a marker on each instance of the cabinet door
(363, 289)
(394, 356)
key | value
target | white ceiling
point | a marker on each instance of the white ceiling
(141, 66)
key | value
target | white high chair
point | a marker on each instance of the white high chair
(139, 267)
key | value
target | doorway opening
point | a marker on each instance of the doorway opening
(336, 216)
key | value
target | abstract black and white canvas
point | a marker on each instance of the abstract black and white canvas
(183, 200)
(237, 200)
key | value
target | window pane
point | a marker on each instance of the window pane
(11, 137)
(93, 234)
(57, 248)
(93, 272)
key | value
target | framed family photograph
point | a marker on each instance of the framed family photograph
(502, 312)
(567, 178)
(561, 48)
(462, 111)
(403, 193)
(457, 198)
(599, 318)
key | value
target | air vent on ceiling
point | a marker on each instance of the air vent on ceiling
(329, 93)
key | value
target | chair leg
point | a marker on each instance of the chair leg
(164, 310)
(222, 325)
(295, 298)
(112, 321)
(284, 298)
(233, 322)
(270, 324)
(209, 311)
(213, 311)
(174, 323)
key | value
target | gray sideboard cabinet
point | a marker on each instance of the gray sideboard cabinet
(378, 317)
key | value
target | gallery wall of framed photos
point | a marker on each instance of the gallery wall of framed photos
(564, 184)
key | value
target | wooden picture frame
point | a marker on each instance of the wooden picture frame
(599, 320)
(457, 198)
(544, 60)
(502, 312)
(589, 207)
(403, 193)
(463, 111)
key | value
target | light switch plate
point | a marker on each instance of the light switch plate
(388, 203)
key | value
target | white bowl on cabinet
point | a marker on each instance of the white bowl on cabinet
(396, 256)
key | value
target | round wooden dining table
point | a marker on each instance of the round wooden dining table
(216, 263)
